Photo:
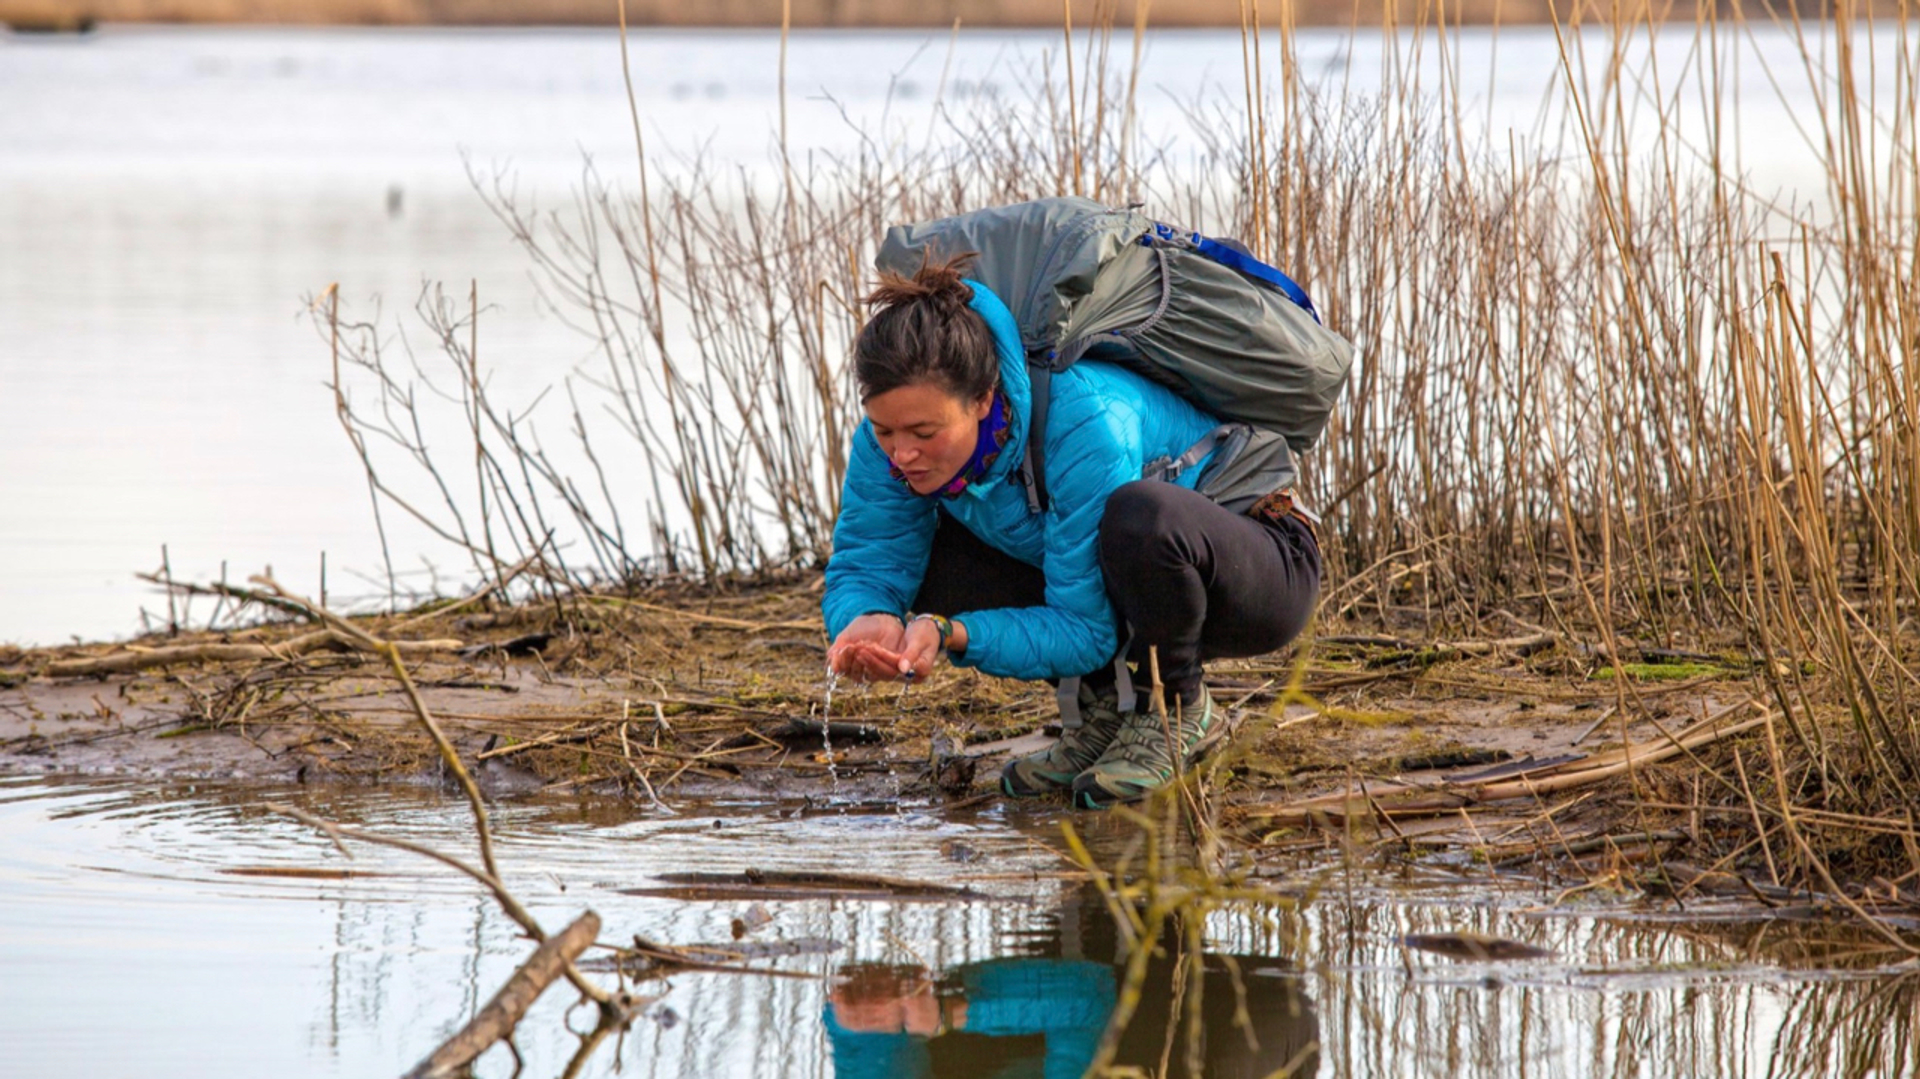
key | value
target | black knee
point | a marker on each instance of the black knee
(1135, 521)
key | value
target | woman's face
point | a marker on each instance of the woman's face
(926, 432)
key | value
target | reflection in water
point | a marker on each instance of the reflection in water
(1624, 997)
(111, 891)
(1041, 1011)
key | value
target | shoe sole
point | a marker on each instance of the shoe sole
(1006, 788)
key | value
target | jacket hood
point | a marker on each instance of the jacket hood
(1013, 379)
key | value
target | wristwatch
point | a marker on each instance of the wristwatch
(940, 622)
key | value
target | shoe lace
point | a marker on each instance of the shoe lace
(1082, 738)
(1143, 740)
(1147, 733)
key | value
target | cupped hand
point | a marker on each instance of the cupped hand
(869, 649)
(865, 661)
(891, 1000)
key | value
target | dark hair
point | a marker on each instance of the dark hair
(925, 332)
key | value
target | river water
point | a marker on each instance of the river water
(169, 198)
(130, 947)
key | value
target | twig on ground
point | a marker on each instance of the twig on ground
(1404, 800)
(139, 659)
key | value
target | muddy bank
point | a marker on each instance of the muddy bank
(714, 693)
(1523, 753)
(658, 694)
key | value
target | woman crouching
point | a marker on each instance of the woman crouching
(936, 549)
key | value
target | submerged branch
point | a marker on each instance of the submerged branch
(497, 1019)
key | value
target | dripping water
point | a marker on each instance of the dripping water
(826, 733)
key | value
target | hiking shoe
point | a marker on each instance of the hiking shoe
(1052, 769)
(1140, 761)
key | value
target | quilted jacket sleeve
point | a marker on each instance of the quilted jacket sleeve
(880, 542)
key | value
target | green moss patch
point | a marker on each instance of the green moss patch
(1664, 672)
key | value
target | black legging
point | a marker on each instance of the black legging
(1193, 580)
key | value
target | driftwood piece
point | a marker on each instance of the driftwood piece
(777, 884)
(652, 959)
(1678, 879)
(764, 949)
(1474, 947)
(802, 729)
(140, 659)
(501, 1014)
(299, 872)
(526, 644)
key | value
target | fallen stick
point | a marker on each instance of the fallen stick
(1409, 800)
(1596, 724)
(666, 956)
(299, 872)
(140, 659)
(501, 1014)
(221, 588)
(703, 619)
(1442, 651)
(825, 882)
(572, 734)
(1574, 848)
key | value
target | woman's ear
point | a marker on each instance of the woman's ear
(979, 409)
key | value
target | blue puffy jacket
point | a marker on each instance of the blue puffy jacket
(1104, 425)
(1065, 1001)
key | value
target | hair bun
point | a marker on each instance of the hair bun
(941, 282)
(924, 331)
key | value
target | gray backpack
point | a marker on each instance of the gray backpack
(1198, 315)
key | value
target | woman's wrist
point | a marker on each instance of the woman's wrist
(940, 623)
(953, 635)
(953, 1014)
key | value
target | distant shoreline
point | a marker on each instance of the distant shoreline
(70, 16)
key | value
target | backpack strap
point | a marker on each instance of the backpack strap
(1166, 293)
(1231, 436)
(1238, 259)
(1032, 472)
(1066, 694)
(1234, 255)
(1033, 466)
(1122, 677)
